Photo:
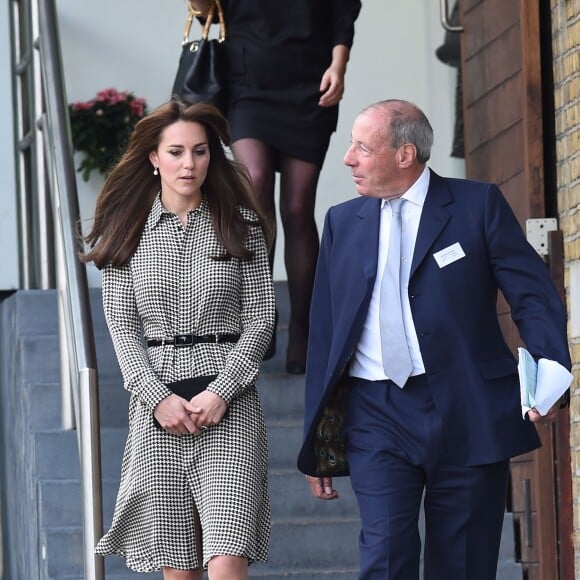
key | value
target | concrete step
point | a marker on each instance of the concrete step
(35, 312)
(284, 438)
(290, 497)
(55, 448)
(308, 544)
(36, 316)
(282, 397)
(310, 540)
(64, 557)
(61, 551)
(42, 404)
(60, 500)
(256, 571)
(294, 544)
(56, 453)
(107, 365)
(113, 404)
(509, 571)
(277, 364)
(304, 574)
(305, 513)
(507, 550)
(38, 359)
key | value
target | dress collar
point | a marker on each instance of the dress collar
(158, 210)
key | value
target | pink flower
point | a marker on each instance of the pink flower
(82, 106)
(118, 98)
(107, 95)
(137, 107)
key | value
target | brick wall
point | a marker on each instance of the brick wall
(566, 50)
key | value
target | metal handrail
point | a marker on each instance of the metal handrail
(35, 237)
(444, 17)
(55, 170)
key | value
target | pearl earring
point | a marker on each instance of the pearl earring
(155, 171)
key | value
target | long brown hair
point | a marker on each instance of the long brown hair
(125, 200)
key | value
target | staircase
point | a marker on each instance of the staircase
(41, 493)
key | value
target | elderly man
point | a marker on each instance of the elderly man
(410, 386)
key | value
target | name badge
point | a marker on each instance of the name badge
(449, 255)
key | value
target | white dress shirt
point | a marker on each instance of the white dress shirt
(367, 359)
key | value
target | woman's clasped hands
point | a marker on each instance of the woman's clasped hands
(179, 416)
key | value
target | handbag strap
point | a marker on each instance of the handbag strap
(192, 13)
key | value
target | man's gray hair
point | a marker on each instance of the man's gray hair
(406, 123)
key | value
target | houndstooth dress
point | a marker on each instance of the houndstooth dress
(172, 286)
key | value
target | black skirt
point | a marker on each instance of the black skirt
(274, 98)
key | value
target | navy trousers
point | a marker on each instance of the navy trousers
(397, 456)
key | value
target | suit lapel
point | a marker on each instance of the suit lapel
(366, 236)
(366, 222)
(435, 215)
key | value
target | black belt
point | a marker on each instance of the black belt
(180, 340)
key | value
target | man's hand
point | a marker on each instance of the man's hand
(535, 417)
(321, 487)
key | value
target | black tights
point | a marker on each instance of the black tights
(298, 181)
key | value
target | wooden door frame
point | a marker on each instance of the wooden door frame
(548, 469)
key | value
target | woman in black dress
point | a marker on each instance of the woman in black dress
(286, 65)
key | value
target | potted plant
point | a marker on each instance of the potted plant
(101, 128)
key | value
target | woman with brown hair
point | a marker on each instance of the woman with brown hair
(187, 293)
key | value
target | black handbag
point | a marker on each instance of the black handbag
(188, 388)
(201, 71)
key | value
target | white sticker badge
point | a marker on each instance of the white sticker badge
(449, 255)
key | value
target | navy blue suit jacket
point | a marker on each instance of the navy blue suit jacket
(470, 369)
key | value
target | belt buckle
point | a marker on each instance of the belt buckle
(181, 340)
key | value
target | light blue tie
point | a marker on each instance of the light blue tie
(394, 348)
